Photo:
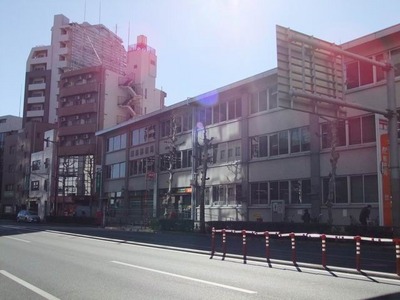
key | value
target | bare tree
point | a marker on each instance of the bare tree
(333, 160)
(204, 158)
(172, 159)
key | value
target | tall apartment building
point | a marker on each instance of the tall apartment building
(263, 159)
(83, 82)
(73, 46)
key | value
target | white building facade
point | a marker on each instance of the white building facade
(265, 163)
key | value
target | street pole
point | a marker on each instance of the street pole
(393, 148)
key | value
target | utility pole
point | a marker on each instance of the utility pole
(393, 148)
(204, 164)
(56, 172)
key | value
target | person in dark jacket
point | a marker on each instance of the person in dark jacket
(306, 216)
(364, 215)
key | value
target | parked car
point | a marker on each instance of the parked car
(28, 216)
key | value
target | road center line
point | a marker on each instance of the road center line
(29, 286)
(17, 239)
(186, 277)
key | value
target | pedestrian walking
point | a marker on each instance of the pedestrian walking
(364, 215)
(306, 216)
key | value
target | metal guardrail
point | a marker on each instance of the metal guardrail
(323, 237)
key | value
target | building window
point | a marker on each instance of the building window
(259, 146)
(364, 189)
(340, 194)
(300, 191)
(283, 142)
(265, 192)
(264, 100)
(272, 97)
(359, 73)
(187, 120)
(187, 158)
(35, 185)
(143, 135)
(35, 165)
(362, 130)
(204, 115)
(137, 166)
(299, 140)
(165, 128)
(225, 152)
(222, 111)
(234, 109)
(116, 170)
(326, 134)
(116, 143)
(9, 187)
(228, 194)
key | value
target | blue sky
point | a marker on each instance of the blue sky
(201, 44)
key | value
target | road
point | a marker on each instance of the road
(38, 262)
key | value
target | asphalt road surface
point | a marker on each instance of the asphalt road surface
(39, 262)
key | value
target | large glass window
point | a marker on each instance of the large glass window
(283, 142)
(259, 193)
(362, 130)
(359, 73)
(364, 188)
(340, 195)
(273, 145)
(300, 191)
(228, 194)
(326, 134)
(116, 143)
(143, 135)
(116, 170)
(273, 97)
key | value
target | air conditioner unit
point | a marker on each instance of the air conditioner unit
(89, 76)
(63, 119)
(88, 96)
(78, 97)
(80, 78)
(85, 136)
(76, 137)
(77, 118)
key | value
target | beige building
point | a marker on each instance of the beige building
(83, 82)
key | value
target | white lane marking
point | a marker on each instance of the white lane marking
(17, 239)
(29, 286)
(186, 277)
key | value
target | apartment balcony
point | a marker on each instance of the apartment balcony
(33, 100)
(35, 113)
(62, 64)
(36, 86)
(64, 38)
(77, 129)
(79, 89)
(63, 51)
(77, 109)
(77, 150)
(39, 60)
